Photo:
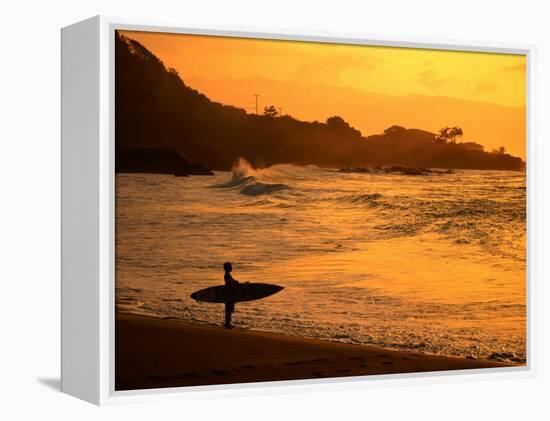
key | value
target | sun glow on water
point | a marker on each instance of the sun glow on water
(434, 263)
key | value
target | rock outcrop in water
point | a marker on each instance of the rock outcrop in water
(156, 161)
(395, 169)
(155, 109)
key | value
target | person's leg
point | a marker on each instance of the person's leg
(229, 309)
(227, 315)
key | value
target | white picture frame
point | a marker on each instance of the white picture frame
(88, 224)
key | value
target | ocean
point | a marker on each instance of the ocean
(433, 264)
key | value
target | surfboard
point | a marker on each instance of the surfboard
(241, 292)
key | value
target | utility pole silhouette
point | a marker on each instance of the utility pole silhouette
(280, 111)
(256, 95)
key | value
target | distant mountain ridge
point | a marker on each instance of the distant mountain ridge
(495, 125)
(156, 109)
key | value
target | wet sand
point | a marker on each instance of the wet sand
(152, 353)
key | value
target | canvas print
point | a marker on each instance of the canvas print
(299, 210)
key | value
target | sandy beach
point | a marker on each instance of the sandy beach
(154, 352)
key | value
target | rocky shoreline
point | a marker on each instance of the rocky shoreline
(396, 170)
(156, 161)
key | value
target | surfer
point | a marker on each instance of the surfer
(234, 291)
(229, 282)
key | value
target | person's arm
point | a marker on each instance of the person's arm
(233, 280)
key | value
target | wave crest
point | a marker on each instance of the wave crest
(246, 179)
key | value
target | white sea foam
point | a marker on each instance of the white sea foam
(245, 178)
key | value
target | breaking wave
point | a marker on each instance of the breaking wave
(247, 180)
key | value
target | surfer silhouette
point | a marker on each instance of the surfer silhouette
(229, 283)
(233, 292)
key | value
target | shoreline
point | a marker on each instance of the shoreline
(154, 352)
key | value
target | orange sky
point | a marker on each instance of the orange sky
(315, 80)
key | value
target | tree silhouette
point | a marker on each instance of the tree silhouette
(454, 133)
(271, 111)
(448, 134)
(443, 135)
(338, 124)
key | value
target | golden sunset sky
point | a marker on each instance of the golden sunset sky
(371, 87)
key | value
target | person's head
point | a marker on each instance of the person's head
(227, 267)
